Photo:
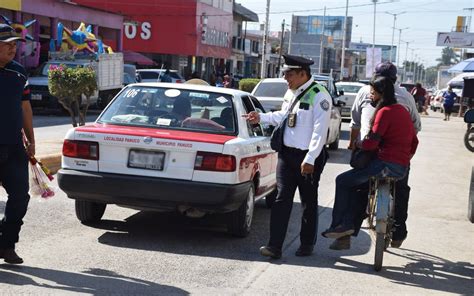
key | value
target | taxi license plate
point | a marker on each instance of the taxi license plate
(150, 160)
(36, 97)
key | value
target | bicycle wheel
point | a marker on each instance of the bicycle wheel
(371, 211)
(379, 249)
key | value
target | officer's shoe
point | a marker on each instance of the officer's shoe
(271, 252)
(342, 243)
(10, 256)
(304, 250)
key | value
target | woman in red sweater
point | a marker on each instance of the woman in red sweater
(392, 138)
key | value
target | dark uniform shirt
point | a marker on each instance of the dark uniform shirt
(13, 90)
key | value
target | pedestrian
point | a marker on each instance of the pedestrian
(15, 115)
(392, 138)
(304, 117)
(419, 93)
(166, 77)
(449, 97)
(361, 114)
(227, 83)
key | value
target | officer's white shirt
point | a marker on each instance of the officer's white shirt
(312, 125)
(362, 111)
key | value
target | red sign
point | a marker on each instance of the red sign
(181, 28)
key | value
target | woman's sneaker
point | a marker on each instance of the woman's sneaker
(342, 243)
(337, 232)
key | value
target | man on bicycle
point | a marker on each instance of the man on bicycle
(361, 113)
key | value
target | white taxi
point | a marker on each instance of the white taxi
(171, 147)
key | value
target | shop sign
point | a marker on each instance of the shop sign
(131, 30)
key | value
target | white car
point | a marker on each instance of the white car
(171, 147)
(155, 75)
(436, 101)
(348, 92)
(270, 93)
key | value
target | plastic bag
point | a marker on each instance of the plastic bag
(40, 180)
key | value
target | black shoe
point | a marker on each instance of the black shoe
(10, 256)
(337, 232)
(304, 250)
(271, 252)
(396, 243)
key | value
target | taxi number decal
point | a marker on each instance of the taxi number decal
(131, 93)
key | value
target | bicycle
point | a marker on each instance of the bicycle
(381, 208)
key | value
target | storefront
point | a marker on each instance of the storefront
(48, 13)
(183, 35)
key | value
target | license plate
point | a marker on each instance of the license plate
(150, 160)
(36, 97)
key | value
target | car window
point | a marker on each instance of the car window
(170, 108)
(149, 75)
(175, 75)
(255, 130)
(271, 89)
(347, 88)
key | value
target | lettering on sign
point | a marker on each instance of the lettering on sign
(121, 139)
(131, 31)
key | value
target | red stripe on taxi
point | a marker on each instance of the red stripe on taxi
(156, 133)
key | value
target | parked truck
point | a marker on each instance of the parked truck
(109, 73)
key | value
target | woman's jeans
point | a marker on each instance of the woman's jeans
(346, 186)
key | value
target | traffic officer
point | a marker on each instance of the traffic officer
(15, 115)
(305, 114)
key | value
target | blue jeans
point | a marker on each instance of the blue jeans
(347, 183)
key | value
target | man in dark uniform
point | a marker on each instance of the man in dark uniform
(15, 115)
(305, 116)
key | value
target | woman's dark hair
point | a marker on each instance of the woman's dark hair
(385, 87)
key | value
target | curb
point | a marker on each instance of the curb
(51, 161)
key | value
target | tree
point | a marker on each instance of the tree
(69, 85)
(448, 57)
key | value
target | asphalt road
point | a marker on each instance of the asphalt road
(134, 252)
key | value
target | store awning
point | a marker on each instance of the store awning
(137, 58)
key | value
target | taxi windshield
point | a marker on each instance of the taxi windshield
(171, 108)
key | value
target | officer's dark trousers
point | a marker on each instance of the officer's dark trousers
(14, 178)
(402, 194)
(288, 179)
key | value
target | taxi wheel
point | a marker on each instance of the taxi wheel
(240, 221)
(88, 211)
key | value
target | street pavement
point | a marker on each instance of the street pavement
(134, 252)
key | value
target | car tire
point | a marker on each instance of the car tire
(270, 198)
(88, 211)
(240, 221)
(335, 145)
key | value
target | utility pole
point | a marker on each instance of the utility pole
(263, 70)
(344, 42)
(398, 49)
(405, 65)
(281, 45)
(291, 34)
(373, 36)
(393, 31)
(321, 49)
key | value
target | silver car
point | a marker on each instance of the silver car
(348, 91)
(270, 93)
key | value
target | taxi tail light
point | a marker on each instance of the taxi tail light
(208, 161)
(179, 81)
(81, 149)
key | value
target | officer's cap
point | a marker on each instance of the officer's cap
(295, 62)
(8, 34)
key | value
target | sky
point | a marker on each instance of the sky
(423, 19)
